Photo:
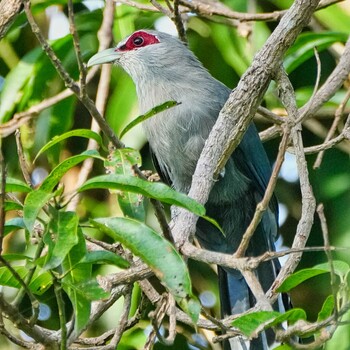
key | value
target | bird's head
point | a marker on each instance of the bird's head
(146, 54)
(126, 48)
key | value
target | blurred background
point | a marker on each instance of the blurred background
(27, 77)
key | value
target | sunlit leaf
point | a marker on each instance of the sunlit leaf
(14, 185)
(86, 133)
(155, 190)
(121, 162)
(248, 323)
(61, 169)
(154, 250)
(303, 47)
(341, 268)
(299, 277)
(64, 233)
(12, 91)
(104, 257)
(38, 285)
(74, 275)
(327, 309)
(33, 204)
(155, 110)
(13, 224)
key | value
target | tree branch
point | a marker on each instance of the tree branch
(239, 110)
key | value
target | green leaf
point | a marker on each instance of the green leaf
(14, 185)
(61, 169)
(13, 225)
(76, 274)
(38, 285)
(156, 251)
(257, 321)
(298, 277)
(327, 309)
(291, 316)
(12, 91)
(155, 190)
(192, 307)
(303, 47)
(283, 347)
(32, 206)
(77, 132)
(121, 162)
(341, 268)
(89, 290)
(155, 110)
(249, 323)
(10, 205)
(104, 257)
(64, 233)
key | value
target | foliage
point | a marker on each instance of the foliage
(76, 246)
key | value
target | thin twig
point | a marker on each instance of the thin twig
(178, 21)
(22, 160)
(2, 197)
(338, 117)
(263, 205)
(123, 320)
(317, 83)
(308, 200)
(324, 228)
(105, 36)
(76, 43)
(61, 313)
(69, 82)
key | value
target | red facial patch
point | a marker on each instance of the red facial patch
(137, 40)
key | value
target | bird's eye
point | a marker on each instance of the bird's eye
(138, 41)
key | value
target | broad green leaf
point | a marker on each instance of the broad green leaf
(155, 190)
(291, 316)
(33, 204)
(327, 309)
(192, 307)
(13, 224)
(104, 257)
(76, 274)
(334, 17)
(16, 257)
(298, 277)
(341, 268)
(89, 290)
(38, 285)
(64, 233)
(249, 323)
(14, 185)
(12, 91)
(121, 162)
(304, 46)
(154, 250)
(283, 347)
(77, 132)
(155, 110)
(259, 320)
(232, 47)
(61, 169)
(10, 205)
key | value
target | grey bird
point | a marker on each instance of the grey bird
(163, 68)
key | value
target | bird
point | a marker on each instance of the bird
(163, 68)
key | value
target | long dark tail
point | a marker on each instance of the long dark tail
(236, 297)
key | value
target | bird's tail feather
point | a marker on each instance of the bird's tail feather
(236, 297)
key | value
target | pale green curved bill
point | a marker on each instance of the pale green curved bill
(105, 56)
